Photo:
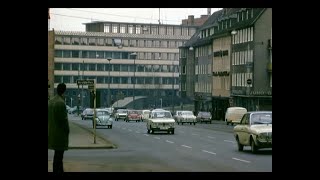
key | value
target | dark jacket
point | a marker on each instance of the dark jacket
(58, 125)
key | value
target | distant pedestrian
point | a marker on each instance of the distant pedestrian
(58, 128)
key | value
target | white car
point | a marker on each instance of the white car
(103, 118)
(160, 120)
(255, 130)
(121, 114)
(185, 117)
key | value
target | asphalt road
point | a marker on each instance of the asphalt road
(199, 148)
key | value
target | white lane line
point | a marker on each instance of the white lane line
(186, 146)
(137, 132)
(209, 152)
(156, 137)
(211, 137)
(169, 141)
(229, 141)
(129, 130)
(195, 134)
(146, 134)
(181, 131)
(241, 160)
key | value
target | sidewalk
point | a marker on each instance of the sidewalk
(81, 137)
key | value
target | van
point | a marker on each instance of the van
(234, 115)
(145, 114)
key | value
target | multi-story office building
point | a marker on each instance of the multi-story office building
(106, 48)
(233, 50)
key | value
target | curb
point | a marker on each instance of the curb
(111, 146)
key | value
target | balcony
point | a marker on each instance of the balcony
(269, 67)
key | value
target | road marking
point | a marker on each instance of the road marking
(137, 132)
(241, 160)
(195, 134)
(186, 146)
(129, 130)
(229, 141)
(146, 134)
(156, 137)
(211, 137)
(169, 141)
(209, 152)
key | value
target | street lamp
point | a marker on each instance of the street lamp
(109, 95)
(134, 55)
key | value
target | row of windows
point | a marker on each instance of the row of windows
(115, 67)
(153, 29)
(203, 51)
(222, 83)
(240, 79)
(241, 16)
(243, 35)
(203, 69)
(119, 80)
(114, 55)
(203, 87)
(242, 57)
(92, 41)
(73, 93)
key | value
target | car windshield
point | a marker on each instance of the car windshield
(205, 113)
(122, 111)
(162, 114)
(261, 118)
(187, 113)
(102, 113)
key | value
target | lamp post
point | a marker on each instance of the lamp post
(109, 95)
(172, 86)
(234, 32)
(134, 56)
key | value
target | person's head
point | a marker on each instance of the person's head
(61, 89)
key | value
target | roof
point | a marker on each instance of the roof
(156, 24)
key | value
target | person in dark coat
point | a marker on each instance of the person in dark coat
(58, 128)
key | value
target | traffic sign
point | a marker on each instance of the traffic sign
(249, 81)
(85, 82)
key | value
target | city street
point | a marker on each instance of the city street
(199, 148)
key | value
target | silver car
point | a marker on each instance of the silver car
(103, 118)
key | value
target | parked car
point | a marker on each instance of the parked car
(204, 117)
(160, 120)
(103, 118)
(234, 114)
(255, 130)
(121, 114)
(133, 115)
(185, 117)
(87, 114)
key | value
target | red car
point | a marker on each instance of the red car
(134, 115)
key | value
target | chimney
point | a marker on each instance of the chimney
(209, 11)
(191, 20)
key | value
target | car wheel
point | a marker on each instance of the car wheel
(172, 131)
(110, 126)
(240, 146)
(194, 123)
(253, 146)
(148, 131)
(227, 122)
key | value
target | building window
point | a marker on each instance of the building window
(58, 53)
(169, 30)
(58, 40)
(247, 14)
(252, 13)
(106, 28)
(92, 41)
(238, 17)
(116, 55)
(66, 40)
(100, 67)
(130, 29)
(67, 54)
(92, 54)
(138, 29)
(251, 35)
(100, 55)
(100, 41)
(75, 41)
(124, 68)
(84, 41)
(75, 54)
(100, 80)
(122, 29)
(114, 28)
(154, 30)
(117, 42)
(116, 67)
(92, 67)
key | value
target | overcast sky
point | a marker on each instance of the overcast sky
(72, 19)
